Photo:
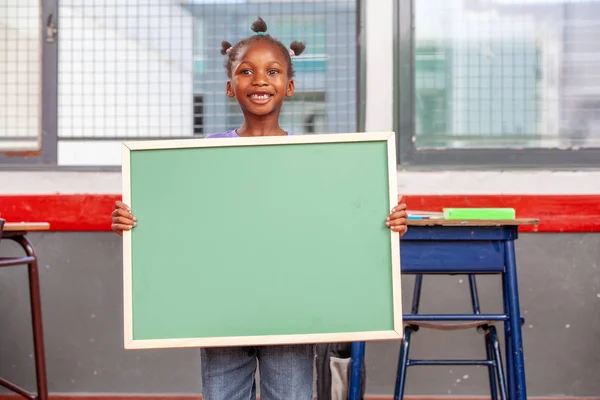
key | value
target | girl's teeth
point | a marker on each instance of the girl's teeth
(262, 96)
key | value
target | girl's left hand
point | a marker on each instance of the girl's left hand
(396, 221)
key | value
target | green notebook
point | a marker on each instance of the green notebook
(479, 213)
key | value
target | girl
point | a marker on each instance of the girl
(260, 78)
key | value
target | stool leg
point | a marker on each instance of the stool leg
(405, 346)
(512, 289)
(402, 365)
(510, 382)
(417, 294)
(474, 295)
(498, 360)
(489, 350)
(36, 319)
(357, 355)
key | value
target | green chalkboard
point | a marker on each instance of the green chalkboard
(250, 241)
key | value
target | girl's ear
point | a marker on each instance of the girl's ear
(229, 89)
(290, 88)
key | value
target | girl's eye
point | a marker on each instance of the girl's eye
(246, 72)
(273, 71)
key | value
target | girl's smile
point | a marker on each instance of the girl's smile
(260, 97)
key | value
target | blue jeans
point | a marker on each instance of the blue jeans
(286, 372)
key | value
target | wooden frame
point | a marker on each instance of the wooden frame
(395, 333)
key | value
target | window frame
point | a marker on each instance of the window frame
(46, 156)
(404, 121)
(47, 153)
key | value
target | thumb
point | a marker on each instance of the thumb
(400, 198)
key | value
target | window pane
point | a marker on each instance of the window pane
(138, 69)
(507, 74)
(20, 81)
(125, 69)
(325, 73)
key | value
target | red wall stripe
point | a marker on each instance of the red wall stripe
(78, 212)
(91, 212)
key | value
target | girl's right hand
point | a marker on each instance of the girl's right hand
(122, 219)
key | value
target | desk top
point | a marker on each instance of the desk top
(477, 222)
(26, 226)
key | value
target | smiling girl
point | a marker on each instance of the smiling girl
(260, 75)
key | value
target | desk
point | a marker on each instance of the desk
(465, 247)
(17, 232)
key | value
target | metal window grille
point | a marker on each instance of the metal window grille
(152, 68)
(507, 74)
(20, 71)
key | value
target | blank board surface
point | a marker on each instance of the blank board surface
(248, 241)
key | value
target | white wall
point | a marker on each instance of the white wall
(409, 182)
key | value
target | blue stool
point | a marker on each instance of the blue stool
(462, 248)
(497, 380)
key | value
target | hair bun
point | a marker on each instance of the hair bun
(259, 25)
(225, 47)
(297, 47)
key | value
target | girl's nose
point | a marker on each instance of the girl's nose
(260, 79)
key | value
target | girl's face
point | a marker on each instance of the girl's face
(259, 79)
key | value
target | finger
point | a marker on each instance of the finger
(120, 227)
(122, 213)
(400, 229)
(121, 205)
(399, 207)
(400, 197)
(397, 215)
(123, 221)
(396, 222)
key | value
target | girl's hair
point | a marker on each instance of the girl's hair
(260, 27)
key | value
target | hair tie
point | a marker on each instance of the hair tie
(228, 50)
(292, 53)
(260, 33)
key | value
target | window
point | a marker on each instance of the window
(20, 76)
(137, 70)
(325, 73)
(78, 77)
(125, 70)
(500, 82)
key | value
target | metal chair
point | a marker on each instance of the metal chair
(497, 379)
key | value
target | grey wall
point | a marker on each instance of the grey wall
(81, 289)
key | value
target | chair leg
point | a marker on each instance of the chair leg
(357, 356)
(474, 295)
(492, 347)
(405, 346)
(36, 319)
(498, 361)
(511, 291)
(489, 349)
(417, 294)
(510, 383)
(402, 365)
